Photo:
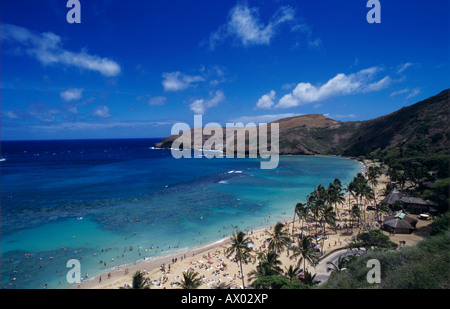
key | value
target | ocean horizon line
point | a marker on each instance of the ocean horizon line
(79, 139)
(135, 196)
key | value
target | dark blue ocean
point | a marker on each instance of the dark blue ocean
(92, 199)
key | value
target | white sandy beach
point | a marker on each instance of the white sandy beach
(220, 271)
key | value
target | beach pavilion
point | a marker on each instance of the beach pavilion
(399, 224)
(392, 197)
(415, 205)
(418, 205)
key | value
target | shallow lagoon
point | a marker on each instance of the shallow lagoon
(118, 201)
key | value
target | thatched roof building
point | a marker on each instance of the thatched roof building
(414, 205)
(418, 205)
(400, 224)
(392, 197)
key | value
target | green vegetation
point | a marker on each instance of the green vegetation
(190, 280)
(278, 282)
(241, 249)
(372, 240)
(279, 239)
(410, 172)
(412, 145)
(320, 208)
(439, 193)
(139, 281)
(425, 266)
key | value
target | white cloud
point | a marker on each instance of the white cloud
(398, 92)
(403, 67)
(200, 106)
(340, 116)
(306, 29)
(245, 26)
(11, 114)
(101, 111)
(46, 48)
(379, 85)
(266, 101)
(73, 110)
(288, 86)
(43, 112)
(341, 84)
(40, 111)
(263, 118)
(80, 125)
(411, 92)
(177, 81)
(71, 94)
(317, 43)
(155, 101)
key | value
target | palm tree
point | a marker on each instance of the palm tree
(396, 175)
(279, 239)
(328, 216)
(351, 190)
(379, 208)
(337, 267)
(315, 201)
(360, 182)
(272, 262)
(355, 212)
(392, 174)
(372, 177)
(361, 189)
(308, 279)
(269, 265)
(337, 183)
(322, 193)
(299, 208)
(331, 193)
(369, 195)
(338, 194)
(240, 247)
(139, 281)
(304, 215)
(292, 272)
(190, 280)
(305, 251)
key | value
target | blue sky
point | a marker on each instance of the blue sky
(134, 68)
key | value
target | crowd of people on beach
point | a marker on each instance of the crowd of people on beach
(214, 268)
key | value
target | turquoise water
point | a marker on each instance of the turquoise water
(95, 200)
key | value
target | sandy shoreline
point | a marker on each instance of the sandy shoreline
(219, 271)
(121, 275)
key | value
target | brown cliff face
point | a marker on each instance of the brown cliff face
(422, 127)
